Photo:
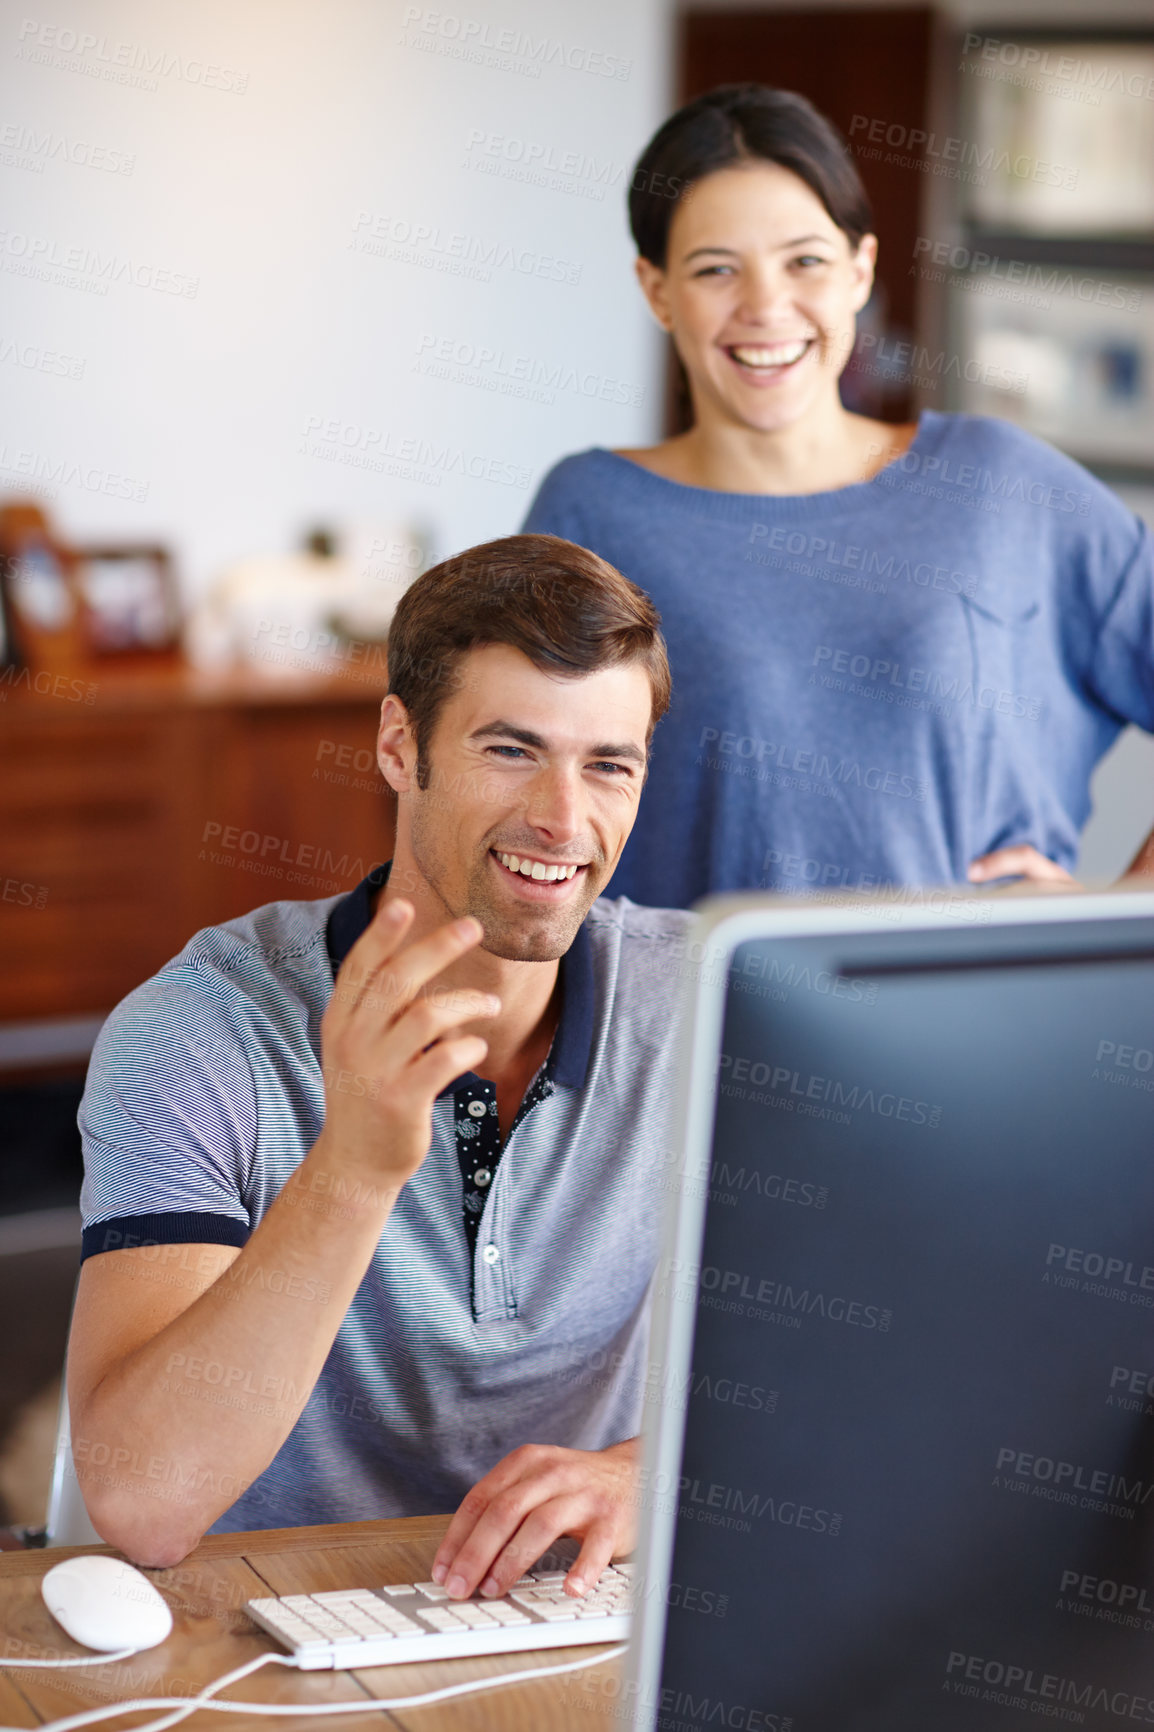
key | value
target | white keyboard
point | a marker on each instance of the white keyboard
(418, 1621)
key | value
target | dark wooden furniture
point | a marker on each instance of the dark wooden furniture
(141, 804)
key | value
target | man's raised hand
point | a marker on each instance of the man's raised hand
(389, 1044)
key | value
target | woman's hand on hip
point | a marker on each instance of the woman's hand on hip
(1020, 862)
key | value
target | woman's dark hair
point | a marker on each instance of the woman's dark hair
(568, 610)
(738, 123)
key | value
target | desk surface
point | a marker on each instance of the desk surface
(212, 1634)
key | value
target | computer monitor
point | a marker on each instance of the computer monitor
(899, 1470)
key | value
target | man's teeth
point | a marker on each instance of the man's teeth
(782, 355)
(536, 868)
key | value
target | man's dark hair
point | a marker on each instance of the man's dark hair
(735, 124)
(567, 610)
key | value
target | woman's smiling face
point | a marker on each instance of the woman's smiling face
(759, 292)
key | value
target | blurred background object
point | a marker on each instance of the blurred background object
(43, 612)
(277, 278)
(303, 611)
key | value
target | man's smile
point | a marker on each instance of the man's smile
(547, 880)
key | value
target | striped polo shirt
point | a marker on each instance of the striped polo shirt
(205, 1092)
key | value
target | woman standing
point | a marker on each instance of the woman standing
(897, 652)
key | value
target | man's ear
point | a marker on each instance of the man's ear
(396, 746)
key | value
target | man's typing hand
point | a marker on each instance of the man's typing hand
(528, 1501)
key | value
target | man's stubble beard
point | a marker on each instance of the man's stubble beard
(541, 935)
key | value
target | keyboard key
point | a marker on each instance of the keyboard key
(502, 1613)
(431, 1591)
(396, 1589)
(357, 1619)
(295, 1629)
(476, 1617)
(441, 1618)
(403, 1627)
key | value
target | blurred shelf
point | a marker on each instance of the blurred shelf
(165, 800)
(165, 685)
(1114, 474)
(1075, 253)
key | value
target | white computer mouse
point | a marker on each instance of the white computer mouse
(104, 1603)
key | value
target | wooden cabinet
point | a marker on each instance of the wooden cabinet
(137, 810)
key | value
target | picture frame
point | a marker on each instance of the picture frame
(41, 617)
(128, 600)
(1064, 122)
(1080, 376)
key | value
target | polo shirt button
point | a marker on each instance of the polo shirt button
(477, 1109)
(491, 1254)
(482, 1176)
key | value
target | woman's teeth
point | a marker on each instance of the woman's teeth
(780, 355)
(536, 869)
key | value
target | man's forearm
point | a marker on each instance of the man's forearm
(176, 1430)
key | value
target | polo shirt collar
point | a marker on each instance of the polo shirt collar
(568, 1060)
(351, 916)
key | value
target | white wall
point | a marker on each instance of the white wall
(246, 184)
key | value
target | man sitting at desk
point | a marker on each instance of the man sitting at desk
(351, 1251)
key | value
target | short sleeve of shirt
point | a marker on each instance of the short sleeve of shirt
(168, 1123)
(1122, 671)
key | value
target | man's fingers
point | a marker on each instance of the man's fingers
(509, 1470)
(390, 1056)
(509, 1522)
(484, 1544)
(394, 978)
(525, 1504)
(593, 1558)
(469, 1513)
(494, 1557)
(435, 1069)
(429, 1019)
(379, 974)
(381, 939)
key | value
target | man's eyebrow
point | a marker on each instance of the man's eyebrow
(628, 750)
(509, 731)
(525, 737)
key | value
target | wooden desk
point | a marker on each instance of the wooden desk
(212, 1634)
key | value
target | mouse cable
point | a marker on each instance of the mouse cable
(180, 1707)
